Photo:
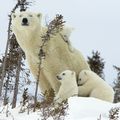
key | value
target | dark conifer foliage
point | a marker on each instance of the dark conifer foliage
(114, 113)
(97, 63)
(117, 85)
(25, 96)
(49, 109)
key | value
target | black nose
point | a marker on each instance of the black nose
(24, 20)
(59, 78)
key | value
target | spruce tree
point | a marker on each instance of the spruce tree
(117, 85)
(12, 63)
(97, 63)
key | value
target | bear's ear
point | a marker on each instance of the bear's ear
(39, 15)
(73, 73)
(13, 15)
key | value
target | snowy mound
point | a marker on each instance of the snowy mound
(80, 108)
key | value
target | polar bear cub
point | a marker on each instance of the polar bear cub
(94, 86)
(68, 86)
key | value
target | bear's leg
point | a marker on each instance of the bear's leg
(58, 98)
(43, 82)
(102, 94)
(83, 91)
(51, 78)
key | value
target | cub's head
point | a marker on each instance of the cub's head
(83, 77)
(25, 21)
(66, 75)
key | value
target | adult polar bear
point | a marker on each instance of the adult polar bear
(28, 31)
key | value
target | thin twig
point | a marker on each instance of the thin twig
(53, 28)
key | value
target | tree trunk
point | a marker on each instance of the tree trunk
(6, 90)
(3, 68)
(8, 41)
(17, 81)
(35, 99)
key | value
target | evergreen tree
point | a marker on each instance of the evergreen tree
(20, 56)
(117, 86)
(12, 62)
(96, 63)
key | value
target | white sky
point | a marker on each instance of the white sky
(96, 23)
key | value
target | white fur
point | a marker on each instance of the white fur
(58, 56)
(68, 87)
(94, 86)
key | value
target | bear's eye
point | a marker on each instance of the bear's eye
(20, 15)
(80, 79)
(30, 15)
(63, 74)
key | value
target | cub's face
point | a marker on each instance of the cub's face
(25, 21)
(83, 77)
(66, 75)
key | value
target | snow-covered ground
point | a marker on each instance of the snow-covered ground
(80, 108)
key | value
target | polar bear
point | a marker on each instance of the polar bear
(68, 87)
(28, 31)
(94, 86)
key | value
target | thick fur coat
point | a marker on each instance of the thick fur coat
(94, 86)
(58, 55)
(68, 87)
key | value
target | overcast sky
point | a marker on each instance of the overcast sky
(96, 24)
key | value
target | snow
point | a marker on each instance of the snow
(80, 108)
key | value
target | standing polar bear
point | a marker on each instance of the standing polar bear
(94, 86)
(28, 30)
(68, 87)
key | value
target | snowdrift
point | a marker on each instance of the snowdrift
(80, 108)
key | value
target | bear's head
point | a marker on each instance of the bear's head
(23, 21)
(66, 75)
(83, 77)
